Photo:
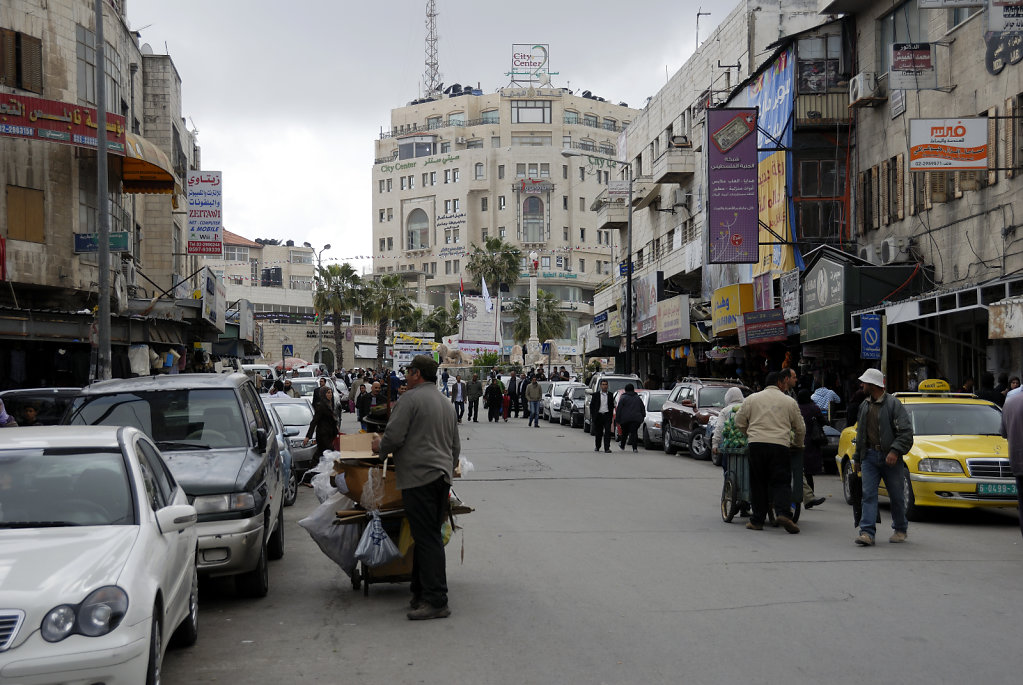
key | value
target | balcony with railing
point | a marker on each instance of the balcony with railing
(407, 129)
(603, 125)
(677, 164)
(822, 109)
(612, 212)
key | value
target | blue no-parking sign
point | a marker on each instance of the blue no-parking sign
(870, 336)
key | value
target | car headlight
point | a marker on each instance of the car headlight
(295, 442)
(99, 614)
(657, 424)
(940, 466)
(216, 504)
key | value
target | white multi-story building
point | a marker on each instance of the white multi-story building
(456, 169)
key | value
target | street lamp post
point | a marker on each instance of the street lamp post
(533, 344)
(628, 256)
(319, 319)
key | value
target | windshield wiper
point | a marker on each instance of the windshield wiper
(177, 444)
(36, 524)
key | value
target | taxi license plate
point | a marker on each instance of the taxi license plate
(996, 489)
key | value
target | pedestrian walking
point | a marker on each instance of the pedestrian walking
(533, 394)
(444, 378)
(733, 400)
(813, 463)
(422, 436)
(366, 402)
(602, 404)
(629, 415)
(883, 435)
(324, 425)
(458, 397)
(513, 394)
(493, 400)
(1012, 430)
(772, 423)
(473, 392)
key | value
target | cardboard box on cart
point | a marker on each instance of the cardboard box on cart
(356, 460)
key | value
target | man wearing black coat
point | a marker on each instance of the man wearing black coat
(630, 415)
(513, 393)
(602, 406)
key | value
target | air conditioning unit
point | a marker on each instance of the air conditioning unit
(129, 272)
(867, 253)
(460, 140)
(895, 250)
(862, 88)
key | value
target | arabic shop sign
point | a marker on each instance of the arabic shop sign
(205, 213)
(913, 67)
(824, 286)
(733, 205)
(533, 186)
(948, 144)
(60, 122)
(763, 326)
(89, 242)
(728, 304)
(405, 166)
(1005, 16)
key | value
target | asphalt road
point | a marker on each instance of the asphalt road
(583, 567)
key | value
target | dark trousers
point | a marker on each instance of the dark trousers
(770, 479)
(494, 409)
(629, 430)
(474, 409)
(459, 410)
(426, 508)
(514, 406)
(600, 426)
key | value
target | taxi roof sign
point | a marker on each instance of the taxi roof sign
(934, 385)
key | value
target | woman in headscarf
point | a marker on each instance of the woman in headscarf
(733, 400)
(812, 463)
(324, 424)
(6, 420)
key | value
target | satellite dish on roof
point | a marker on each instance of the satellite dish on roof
(545, 79)
(147, 49)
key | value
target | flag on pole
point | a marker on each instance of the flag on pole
(461, 294)
(486, 297)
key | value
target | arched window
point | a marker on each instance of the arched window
(417, 228)
(532, 220)
(478, 170)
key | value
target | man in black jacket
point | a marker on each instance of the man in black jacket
(630, 415)
(513, 393)
(602, 405)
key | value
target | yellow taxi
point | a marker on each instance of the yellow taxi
(958, 459)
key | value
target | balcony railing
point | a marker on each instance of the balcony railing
(675, 165)
(604, 125)
(435, 125)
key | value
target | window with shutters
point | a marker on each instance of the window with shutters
(941, 187)
(892, 192)
(21, 61)
(25, 214)
(1012, 153)
(867, 214)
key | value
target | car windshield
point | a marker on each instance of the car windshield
(954, 419)
(656, 402)
(544, 386)
(616, 384)
(184, 419)
(305, 389)
(713, 396)
(578, 393)
(50, 487)
(49, 408)
(294, 413)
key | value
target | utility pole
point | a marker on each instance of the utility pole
(103, 220)
(318, 358)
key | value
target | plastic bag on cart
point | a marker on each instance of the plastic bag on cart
(376, 548)
(322, 487)
(336, 541)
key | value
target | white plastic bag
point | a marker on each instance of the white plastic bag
(376, 547)
(338, 542)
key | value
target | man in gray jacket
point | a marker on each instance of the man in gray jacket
(422, 434)
(883, 435)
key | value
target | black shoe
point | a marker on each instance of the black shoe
(597, 449)
(415, 602)
(608, 450)
(426, 612)
(635, 449)
(815, 502)
(621, 445)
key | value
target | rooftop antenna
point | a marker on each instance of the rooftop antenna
(699, 13)
(432, 76)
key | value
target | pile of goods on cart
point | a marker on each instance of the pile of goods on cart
(361, 523)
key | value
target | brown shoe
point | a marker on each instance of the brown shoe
(750, 525)
(898, 536)
(428, 611)
(864, 540)
(787, 523)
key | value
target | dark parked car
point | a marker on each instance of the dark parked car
(688, 409)
(217, 439)
(572, 402)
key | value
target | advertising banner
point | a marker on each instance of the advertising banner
(1005, 16)
(948, 144)
(728, 304)
(478, 324)
(647, 291)
(913, 67)
(214, 299)
(205, 213)
(614, 324)
(772, 94)
(789, 283)
(762, 327)
(673, 319)
(58, 122)
(732, 198)
(763, 292)
(944, 4)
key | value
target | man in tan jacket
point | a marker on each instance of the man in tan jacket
(772, 422)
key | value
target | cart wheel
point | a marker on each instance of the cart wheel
(729, 503)
(356, 579)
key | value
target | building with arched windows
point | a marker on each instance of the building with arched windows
(459, 168)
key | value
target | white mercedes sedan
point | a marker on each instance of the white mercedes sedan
(97, 557)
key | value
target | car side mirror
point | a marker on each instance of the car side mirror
(291, 432)
(261, 439)
(176, 518)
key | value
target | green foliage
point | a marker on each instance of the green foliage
(497, 261)
(337, 292)
(384, 299)
(550, 319)
(487, 359)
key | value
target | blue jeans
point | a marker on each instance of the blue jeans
(534, 412)
(874, 469)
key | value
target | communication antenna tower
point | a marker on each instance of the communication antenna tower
(432, 80)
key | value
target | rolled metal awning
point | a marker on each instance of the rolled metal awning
(145, 168)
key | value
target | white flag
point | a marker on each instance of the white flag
(486, 296)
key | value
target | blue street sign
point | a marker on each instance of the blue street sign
(623, 270)
(870, 336)
(545, 348)
(287, 350)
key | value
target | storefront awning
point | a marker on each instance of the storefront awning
(145, 168)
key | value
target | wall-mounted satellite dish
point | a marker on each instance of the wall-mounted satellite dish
(147, 49)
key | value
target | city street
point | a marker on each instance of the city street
(583, 567)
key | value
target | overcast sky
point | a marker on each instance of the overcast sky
(289, 97)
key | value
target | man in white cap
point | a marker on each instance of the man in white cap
(883, 435)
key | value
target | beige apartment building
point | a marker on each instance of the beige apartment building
(453, 170)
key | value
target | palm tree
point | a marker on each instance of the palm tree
(443, 321)
(383, 300)
(336, 294)
(550, 319)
